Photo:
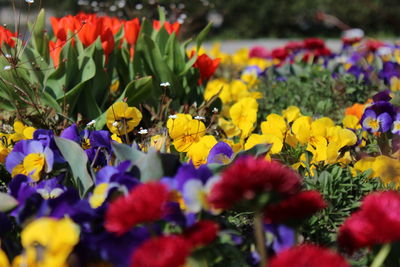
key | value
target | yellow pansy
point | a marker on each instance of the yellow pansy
(99, 195)
(256, 139)
(240, 57)
(185, 131)
(160, 142)
(215, 86)
(229, 128)
(301, 129)
(199, 151)
(363, 165)
(21, 132)
(238, 90)
(291, 113)
(351, 121)
(244, 115)
(48, 242)
(122, 119)
(387, 169)
(33, 165)
(275, 125)
(394, 84)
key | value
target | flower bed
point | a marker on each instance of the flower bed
(123, 146)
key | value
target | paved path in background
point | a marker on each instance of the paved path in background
(230, 46)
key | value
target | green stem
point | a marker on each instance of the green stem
(382, 255)
(260, 238)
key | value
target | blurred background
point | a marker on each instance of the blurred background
(237, 19)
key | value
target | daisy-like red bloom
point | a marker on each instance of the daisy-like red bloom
(145, 203)
(299, 206)
(308, 256)
(377, 222)
(314, 43)
(249, 177)
(207, 66)
(201, 233)
(166, 251)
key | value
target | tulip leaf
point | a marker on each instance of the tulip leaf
(77, 161)
(7, 202)
(138, 90)
(202, 35)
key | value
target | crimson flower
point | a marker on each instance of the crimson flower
(314, 43)
(201, 233)
(299, 206)
(279, 53)
(308, 256)
(207, 66)
(248, 178)
(166, 251)
(145, 203)
(377, 222)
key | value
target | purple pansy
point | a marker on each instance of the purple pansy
(374, 123)
(220, 153)
(396, 124)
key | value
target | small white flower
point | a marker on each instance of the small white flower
(115, 123)
(143, 131)
(91, 123)
(8, 67)
(353, 33)
(215, 110)
(7, 55)
(29, 1)
(195, 104)
(165, 84)
(384, 51)
(199, 118)
(172, 116)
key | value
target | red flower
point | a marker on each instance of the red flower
(279, 53)
(314, 43)
(308, 256)
(248, 177)
(145, 203)
(91, 30)
(131, 31)
(61, 26)
(114, 24)
(167, 251)
(107, 42)
(299, 206)
(55, 51)
(373, 45)
(258, 51)
(201, 233)
(6, 37)
(206, 66)
(377, 222)
(294, 46)
(170, 28)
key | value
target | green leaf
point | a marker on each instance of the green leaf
(151, 166)
(139, 90)
(7, 202)
(202, 35)
(77, 161)
(149, 163)
(40, 39)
